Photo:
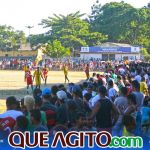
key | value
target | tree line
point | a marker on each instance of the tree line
(113, 22)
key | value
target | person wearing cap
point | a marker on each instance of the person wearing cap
(103, 111)
(62, 111)
(46, 100)
(37, 76)
(77, 97)
(48, 108)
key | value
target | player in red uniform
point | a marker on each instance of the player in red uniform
(28, 77)
(45, 73)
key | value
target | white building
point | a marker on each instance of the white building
(111, 51)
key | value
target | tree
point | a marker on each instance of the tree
(71, 30)
(122, 23)
(11, 39)
(56, 50)
(39, 39)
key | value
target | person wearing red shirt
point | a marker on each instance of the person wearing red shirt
(28, 77)
(45, 73)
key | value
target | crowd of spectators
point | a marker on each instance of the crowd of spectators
(117, 101)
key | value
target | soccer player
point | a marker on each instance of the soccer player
(87, 70)
(37, 76)
(28, 77)
(65, 69)
(45, 73)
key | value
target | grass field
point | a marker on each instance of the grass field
(12, 83)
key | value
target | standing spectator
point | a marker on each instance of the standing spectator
(105, 111)
(121, 103)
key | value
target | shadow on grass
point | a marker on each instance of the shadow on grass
(20, 93)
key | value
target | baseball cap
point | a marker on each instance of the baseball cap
(61, 95)
(46, 91)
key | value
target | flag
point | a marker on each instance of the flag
(39, 55)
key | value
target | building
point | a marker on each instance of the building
(111, 51)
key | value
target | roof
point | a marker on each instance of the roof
(115, 44)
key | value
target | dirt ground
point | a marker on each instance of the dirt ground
(12, 83)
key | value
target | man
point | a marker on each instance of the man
(87, 70)
(139, 102)
(12, 108)
(36, 121)
(62, 111)
(138, 94)
(8, 118)
(121, 103)
(65, 69)
(45, 73)
(104, 111)
(28, 77)
(48, 108)
(37, 76)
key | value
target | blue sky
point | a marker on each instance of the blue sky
(20, 13)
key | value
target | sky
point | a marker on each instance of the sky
(22, 13)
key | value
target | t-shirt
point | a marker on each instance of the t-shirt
(143, 87)
(112, 93)
(139, 99)
(11, 113)
(145, 115)
(103, 116)
(94, 100)
(121, 103)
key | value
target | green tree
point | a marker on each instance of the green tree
(72, 31)
(11, 39)
(39, 39)
(56, 50)
(122, 23)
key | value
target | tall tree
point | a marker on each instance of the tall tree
(56, 50)
(122, 23)
(71, 30)
(10, 39)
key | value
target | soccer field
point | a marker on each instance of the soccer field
(12, 83)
